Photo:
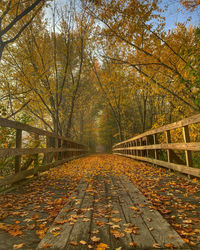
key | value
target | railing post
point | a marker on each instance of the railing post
(48, 145)
(36, 160)
(188, 154)
(136, 151)
(18, 145)
(147, 143)
(155, 141)
(140, 141)
(168, 139)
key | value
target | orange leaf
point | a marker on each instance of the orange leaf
(116, 219)
(61, 221)
(102, 246)
(46, 245)
(169, 245)
(134, 208)
(133, 244)
(35, 216)
(73, 243)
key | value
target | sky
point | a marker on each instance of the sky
(177, 13)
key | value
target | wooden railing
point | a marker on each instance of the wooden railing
(52, 149)
(145, 147)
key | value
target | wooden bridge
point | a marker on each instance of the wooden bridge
(106, 210)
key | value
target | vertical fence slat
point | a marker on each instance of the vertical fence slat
(188, 154)
(168, 140)
(36, 156)
(48, 145)
(155, 141)
(18, 145)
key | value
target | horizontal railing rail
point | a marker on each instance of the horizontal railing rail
(145, 147)
(54, 150)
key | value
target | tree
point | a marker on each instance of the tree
(15, 18)
(148, 49)
(190, 4)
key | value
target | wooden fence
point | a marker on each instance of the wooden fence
(56, 150)
(145, 147)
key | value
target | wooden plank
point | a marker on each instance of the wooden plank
(168, 140)
(116, 206)
(174, 166)
(81, 229)
(36, 158)
(142, 237)
(188, 121)
(188, 154)
(18, 147)
(31, 151)
(68, 211)
(193, 146)
(162, 232)
(155, 140)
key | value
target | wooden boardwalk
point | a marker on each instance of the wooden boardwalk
(110, 211)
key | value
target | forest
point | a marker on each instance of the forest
(97, 71)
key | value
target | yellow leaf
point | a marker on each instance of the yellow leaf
(82, 242)
(56, 234)
(95, 239)
(17, 246)
(134, 208)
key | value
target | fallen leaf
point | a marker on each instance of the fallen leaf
(115, 212)
(134, 208)
(55, 234)
(46, 245)
(95, 239)
(61, 222)
(17, 246)
(100, 223)
(102, 246)
(117, 234)
(15, 232)
(54, 229)
(128, 230)
(187, 221)
(169, 245)
(133, 244)
(115, 226)
(73, 243)
(95, 232)
(82, 242)
(116, 219)
(86, 219)
(35, 216)
(156, 245)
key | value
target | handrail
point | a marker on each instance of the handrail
(140, 147)
(57, 150)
